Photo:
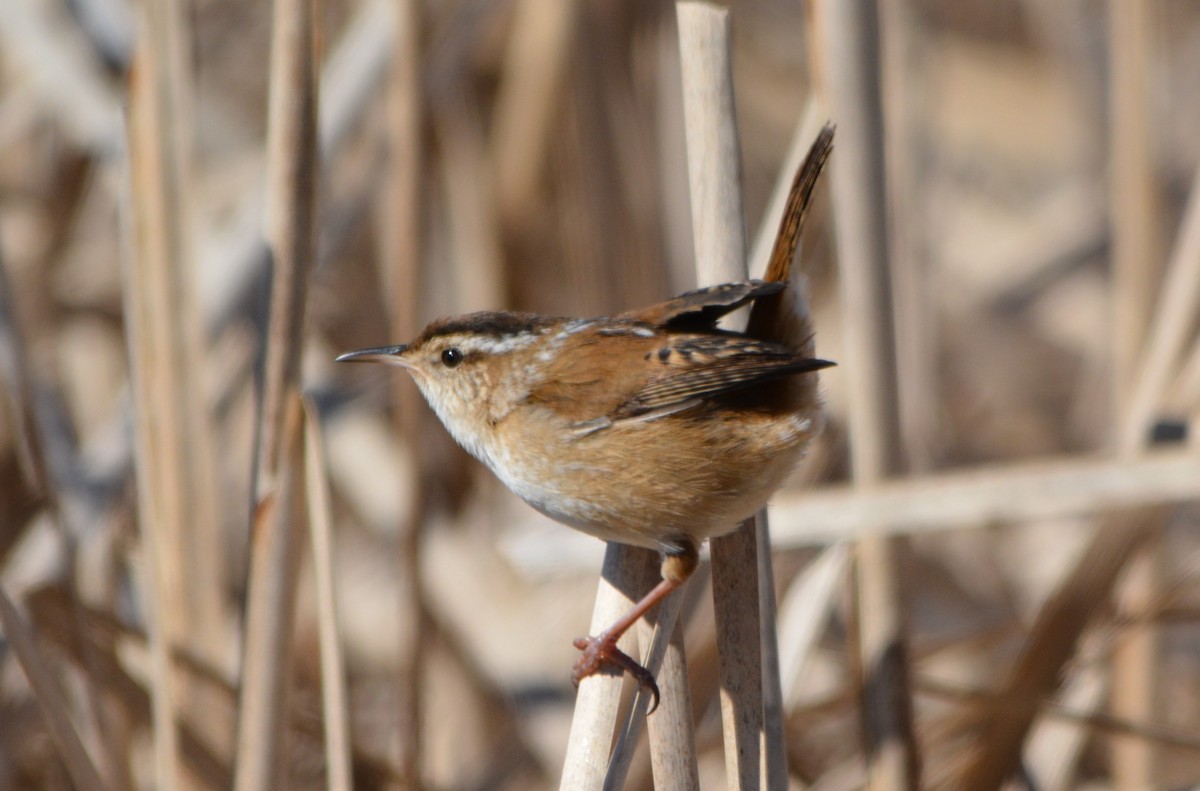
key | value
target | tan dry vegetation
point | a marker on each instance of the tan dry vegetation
(530, 155)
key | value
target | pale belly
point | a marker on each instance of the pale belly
(658, 493)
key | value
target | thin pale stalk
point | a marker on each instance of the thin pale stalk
(186, 472)
(292, 169)
(1136, 212)
(852, 68)
(1134, 197)
(627, 574)
(774, 757)
(232, 257)
(1173, 322)
(402, 246)
(672, 737)
(156, 427)
(333, 673)
(916, 355)
(987, 495)
(672, 743)
(270, 612)
(588, 764)
(714, 176)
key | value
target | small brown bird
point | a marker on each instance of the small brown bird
(652, 427)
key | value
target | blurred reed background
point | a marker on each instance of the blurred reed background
(1044, 245)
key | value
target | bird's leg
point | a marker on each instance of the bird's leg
(601, 651)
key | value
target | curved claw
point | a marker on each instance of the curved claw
(601, 653)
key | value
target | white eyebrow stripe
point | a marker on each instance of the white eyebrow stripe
(499, 344)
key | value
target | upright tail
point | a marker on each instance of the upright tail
(774, 316)
(779, 266)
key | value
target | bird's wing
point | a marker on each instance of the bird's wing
(700, 309)
(656, 373)
(690, 368)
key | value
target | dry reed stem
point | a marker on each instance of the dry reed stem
(1173, 323)
(333, 674)
(627, 574)
(852, 67)
(964, 498)
(292, 168)
(270, 610)
(233, 257)
(148, 290)
(672, 737)
(915, 311)
(402, 275)
(774, 744)
(1137, 245)
(1185, 392)
(739, 649)
(1135, 200)
(184, 459)
(587, 761)
(754, 750)
(49, 697)
(1135, 665)
(672, 743)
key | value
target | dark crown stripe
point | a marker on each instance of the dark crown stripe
(485, 323)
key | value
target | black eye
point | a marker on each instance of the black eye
(452, 357)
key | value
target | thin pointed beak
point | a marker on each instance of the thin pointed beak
(380, 354)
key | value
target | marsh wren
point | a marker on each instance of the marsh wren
(652, 427)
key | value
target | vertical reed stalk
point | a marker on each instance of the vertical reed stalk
(627, 574)
(852, 68)
(292, 167)
(1136, 212)
(754, 751)
(333, 674)
(176, 485)
(402, 247)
